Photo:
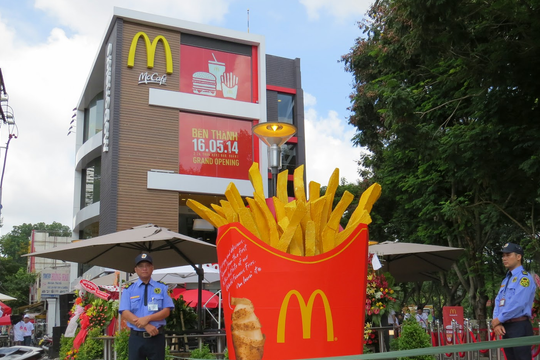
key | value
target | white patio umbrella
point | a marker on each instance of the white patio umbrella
(184, 275)
(4, 297)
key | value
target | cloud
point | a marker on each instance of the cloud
(328, 146)
(309, 100)
(340, 9)
(92, 17)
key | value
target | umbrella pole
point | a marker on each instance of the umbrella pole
(200, 273)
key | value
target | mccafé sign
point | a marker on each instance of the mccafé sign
(306, 311)
(151, 47)
(309, 310)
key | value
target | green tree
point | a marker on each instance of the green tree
(446, 100)
(14, 278)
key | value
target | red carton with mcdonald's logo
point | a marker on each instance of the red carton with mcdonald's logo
(281, 306)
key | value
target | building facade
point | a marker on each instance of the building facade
(167, 115)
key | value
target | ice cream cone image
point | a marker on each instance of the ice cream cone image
(247, 338)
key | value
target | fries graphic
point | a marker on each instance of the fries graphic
(229, 85)
(304, 227)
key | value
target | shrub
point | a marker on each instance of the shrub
(413, 336)
(203, 353)
(66, 343)
(91, 348)
(121, 341)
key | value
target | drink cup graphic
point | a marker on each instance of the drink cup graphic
(280, 306)
(217, 69)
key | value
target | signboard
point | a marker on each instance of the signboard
(309, 309)
(215, 73)
(214, 146)
(54, 282)
(452, 313)
(94, 289)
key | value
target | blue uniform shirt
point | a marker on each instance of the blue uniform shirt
(132, 300)
(517, 290)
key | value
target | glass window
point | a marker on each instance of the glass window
(286, 108)
(89, 231)
(93, 117)
(288, 157)
(91, 178)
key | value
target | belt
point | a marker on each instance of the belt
(145, 334)
(521, 318)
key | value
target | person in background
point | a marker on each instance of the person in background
(145, 304)
(28, 331)
(406, 313)
(421, 317)
(513, 304)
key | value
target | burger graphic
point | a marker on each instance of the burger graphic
(204, 83)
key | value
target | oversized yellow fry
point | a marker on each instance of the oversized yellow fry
(317, 208)
(314, 190)
(310, 238)
(219, 209)
(288, 234)
(280, 209)
(297, 243)
(332, 227)
(333, 183)
(229, 212)
(233, 195)
(260, 220)
(299, 188)
(342, 235)
(270, 220)
(290, 208)
(256, 179)
(366, 202)
(282, 180)
(246, 219)
(207, 214)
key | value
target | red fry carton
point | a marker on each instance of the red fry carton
(280, 306)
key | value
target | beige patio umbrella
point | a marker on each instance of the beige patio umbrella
(118, 250)
(415, 262)
(4, 297)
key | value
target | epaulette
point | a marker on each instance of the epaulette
(161, 282)
(125, 286)
(524, 272)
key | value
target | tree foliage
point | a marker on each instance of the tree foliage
(446, 98)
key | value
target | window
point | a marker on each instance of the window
(91, 178)
(93, 117)
(288, 157)
(286, 108)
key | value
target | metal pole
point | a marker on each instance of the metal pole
(454, 339)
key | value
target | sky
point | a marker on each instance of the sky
(47, 48)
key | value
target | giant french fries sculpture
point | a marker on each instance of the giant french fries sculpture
(301, 226)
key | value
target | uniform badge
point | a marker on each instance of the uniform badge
(158, 290)
(143, 256)
(524, 282)
(524, 272)
(514, 279)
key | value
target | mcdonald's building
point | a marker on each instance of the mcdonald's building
(167, 113)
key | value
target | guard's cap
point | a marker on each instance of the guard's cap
(143, 257)
(512, 248)
(27, 316)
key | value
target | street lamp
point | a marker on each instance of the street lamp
(274, 135)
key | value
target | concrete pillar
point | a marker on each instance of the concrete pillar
(53, 314)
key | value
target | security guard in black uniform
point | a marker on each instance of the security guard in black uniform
(145, 304)
(513, 305)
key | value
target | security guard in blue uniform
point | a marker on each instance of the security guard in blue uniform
(145, 304)
(513, 305)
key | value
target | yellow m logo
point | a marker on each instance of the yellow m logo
(150, 51)
(306, 311)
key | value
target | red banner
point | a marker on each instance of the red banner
(215, 73)
(94, 289)
(281, 306)
(452, 313)
(215, 146)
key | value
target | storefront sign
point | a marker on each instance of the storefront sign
(54, 282)
(150, 51)
(146, 78)
(108, 86)
(214, 146)
(215, 73)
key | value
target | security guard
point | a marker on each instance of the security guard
(513, 305)
(145, 304)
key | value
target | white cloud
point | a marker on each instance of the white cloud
(328, 146)
(340, 9)
(92, 17)
(309, 100)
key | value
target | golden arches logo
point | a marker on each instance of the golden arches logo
(453, 312)
(150, 51)
(306, 311)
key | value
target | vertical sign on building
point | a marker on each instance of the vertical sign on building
(107, 107)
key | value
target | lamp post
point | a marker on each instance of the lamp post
(274, 135)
